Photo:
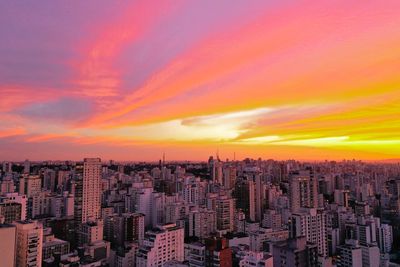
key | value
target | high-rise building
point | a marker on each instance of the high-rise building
(385, 234)
(303, 190)
(16, 198)
(296, 252)
(202, 222)
(91, 189)
(160, 245)
(128, 227)
(142, 203)
(195, 254)
(272, 219)
(33, 185)
(225, 208)
(257, 194)
(88, 191)
(90, 232)
(350, 254)
(10, 212)
(7, 185)
(370, 255)
(27, 166)
(7, 167)
(7, 244)
(229, 177)
(29, 240)
(311, 223)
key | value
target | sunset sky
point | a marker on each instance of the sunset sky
(129, 80)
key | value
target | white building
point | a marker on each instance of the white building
(202, 222)
(311, 223)
(350, 254)
(33, 185)
(370, 255)
(161, 245)
(385, 238)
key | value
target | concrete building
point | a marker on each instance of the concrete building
(10, 212)
(217, 252)
(90, 232)
(202, 222)
(52, 245)
(349, 254)
(303, 190)
(91, 189)
(29, 240)
(124, 256)
(127, 227)
(272, 219)
(195, 254)
(225, 208)
(311, 223)
(385, 238)
(161, 245)
(296, 252)
(7, 244)
(16, 198)
(33, 185)
(370, 255)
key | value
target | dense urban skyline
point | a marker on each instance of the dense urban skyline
(129, 80)
(244, 213)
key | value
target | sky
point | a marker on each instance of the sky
(131, 80)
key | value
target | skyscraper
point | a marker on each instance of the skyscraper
(225, 208)
(303, 189)
(311, 223)
(91, 189)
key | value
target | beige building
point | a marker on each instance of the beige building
(91, 189)
(29, 239)
(7, 244)
(33, 185)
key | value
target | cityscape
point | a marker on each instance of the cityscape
(211, 133)
(251, 212)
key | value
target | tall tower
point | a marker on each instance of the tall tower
(303, 190)
(91, 189)
(27, 166)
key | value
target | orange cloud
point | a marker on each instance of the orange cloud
(12, 132)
